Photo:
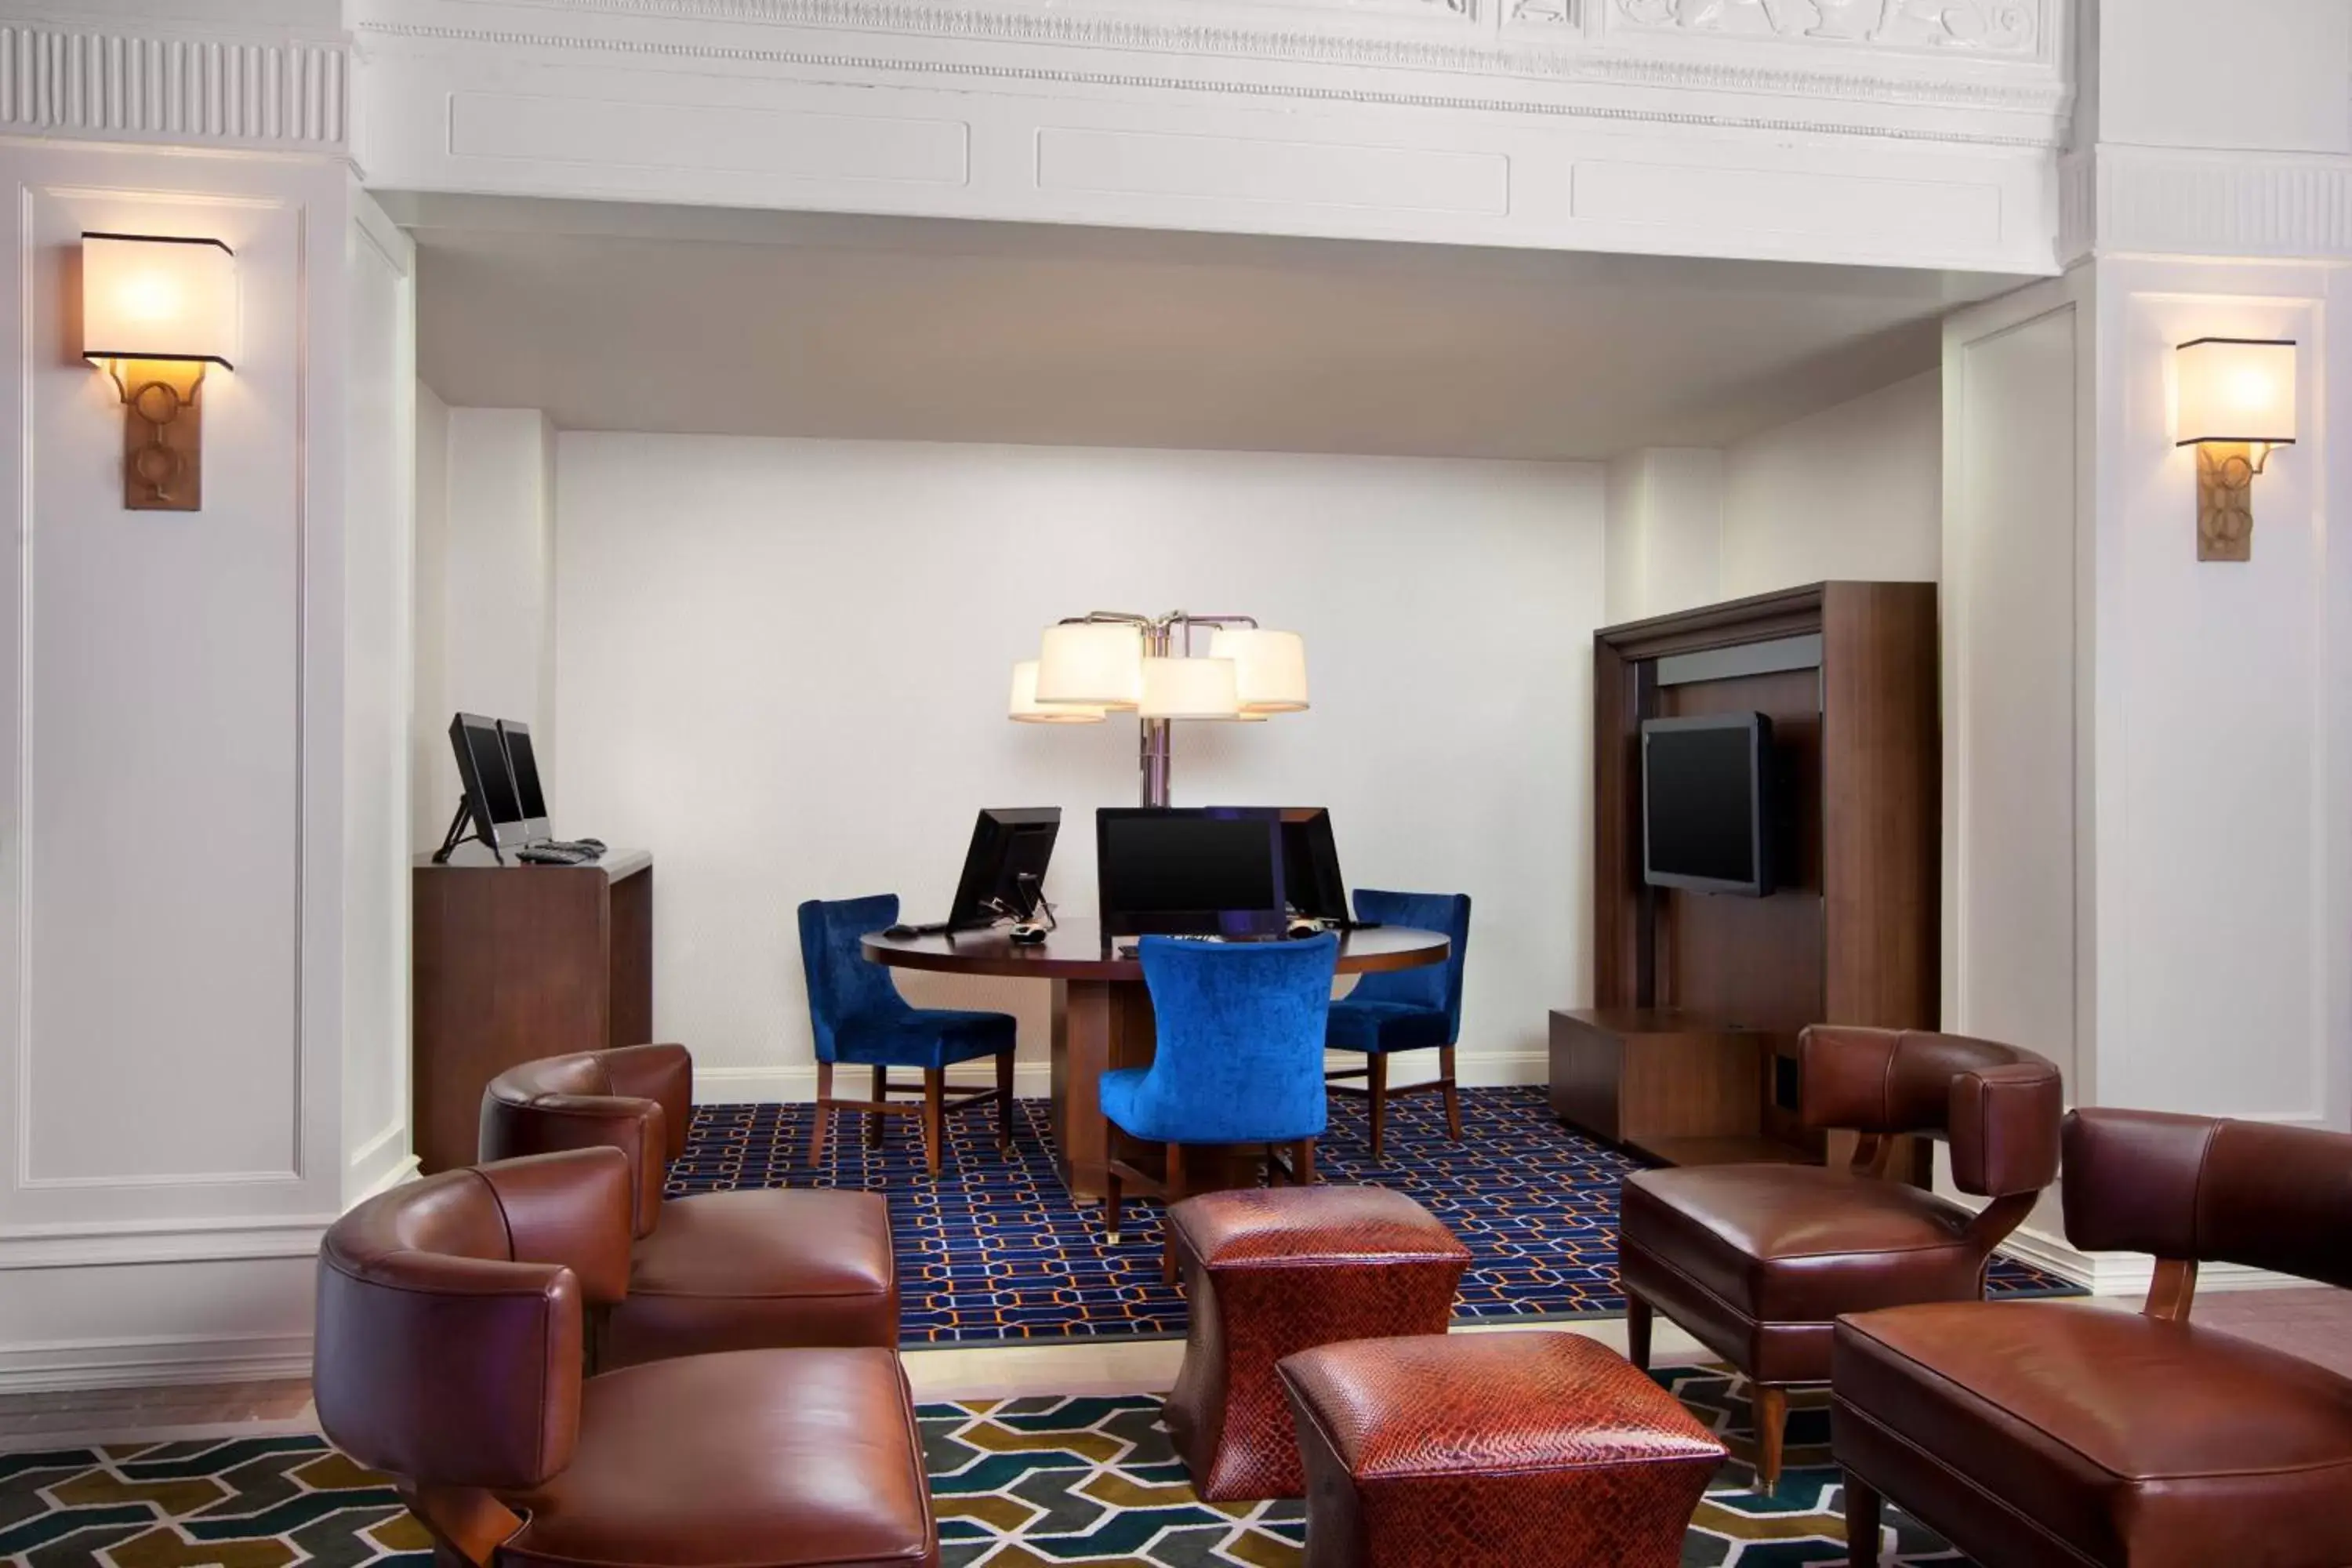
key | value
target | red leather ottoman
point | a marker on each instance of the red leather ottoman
(1541, 1450)
(1269, 1270)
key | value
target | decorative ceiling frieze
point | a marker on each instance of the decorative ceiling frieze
(1987, 26)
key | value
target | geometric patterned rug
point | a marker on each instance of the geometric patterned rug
(997, 1248)
(1015, 1484)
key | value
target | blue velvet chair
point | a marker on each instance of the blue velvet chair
(1238, 1058)
(861, 1020)
(1405, 1009)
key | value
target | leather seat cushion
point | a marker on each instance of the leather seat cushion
(786, 1459)
(1784, 1244)
(1299, 1227)
(744, 1270)
(2127, 1437)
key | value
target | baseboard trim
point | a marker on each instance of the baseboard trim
(796, 1083)
(2130, 1273)
(62, 1364)
(230, 1240)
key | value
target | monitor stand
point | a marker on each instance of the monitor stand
(456, 836)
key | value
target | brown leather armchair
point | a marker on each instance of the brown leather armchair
(2057, 1433)
(1758, 1261)
(450, 1321)
(717, 1271)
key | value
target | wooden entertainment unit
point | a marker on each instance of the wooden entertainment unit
(1688, 1055)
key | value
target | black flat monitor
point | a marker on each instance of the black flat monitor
(1706, 804)
(1310, 866)
(489, 781)
(1005, 870)
(530, 799)
(1202, 871)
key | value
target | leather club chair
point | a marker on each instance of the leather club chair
(752, 1269)
(2057, 1433)
(1758, 1261)
(451, 1321)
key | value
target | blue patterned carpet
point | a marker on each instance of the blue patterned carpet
(996, 1249)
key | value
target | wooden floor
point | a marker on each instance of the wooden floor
(2315, 1323)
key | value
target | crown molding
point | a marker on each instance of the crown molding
(2155, 201)
(285, 94)
(1838, 94)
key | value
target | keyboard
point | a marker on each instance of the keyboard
(573, 854)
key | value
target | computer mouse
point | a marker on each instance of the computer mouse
(900, 933)
(1027, 933)
(1297, 929)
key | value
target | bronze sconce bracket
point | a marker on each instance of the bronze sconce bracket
(2225, 497)
(162, 433)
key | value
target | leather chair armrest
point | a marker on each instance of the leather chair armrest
(456, 1371)
(2003, 1123)
(572, 1209)
(1842, 1075)
(2131, 1180)
(663, 1074)
(550, 1124)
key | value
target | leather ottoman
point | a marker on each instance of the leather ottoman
(1531, 1449)
(1270, 1271)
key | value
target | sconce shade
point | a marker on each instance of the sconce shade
(1269, 667)
(1024, 708)
(2237, 390)
(1096, 662)
(146, 297)
(1190, 689)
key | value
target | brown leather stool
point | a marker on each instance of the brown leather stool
(1538, 1449)
(1269, 1270)
(756, 1269)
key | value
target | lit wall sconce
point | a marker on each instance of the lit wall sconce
(2236, 401)
(156, 313)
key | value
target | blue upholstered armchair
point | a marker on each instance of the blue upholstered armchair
(1405, 1009)
(1238, 1058)
(860, 1019)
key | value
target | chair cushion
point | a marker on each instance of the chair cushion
(1800, 1243)
(786, 1458)
(925, 1038)
(2129, 1438)
(756, 1269)
(1357, 1025)
(1300, 1228)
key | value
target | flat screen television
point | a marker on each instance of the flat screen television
(1196, 871)
(1707, 809)
(1005, 869)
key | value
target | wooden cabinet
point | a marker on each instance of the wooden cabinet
(1676, 1086)
(516, 962)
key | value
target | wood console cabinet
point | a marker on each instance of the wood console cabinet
(516, 962)
(1677, 1088)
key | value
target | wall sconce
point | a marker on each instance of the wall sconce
(2236, 401)
(157, 312)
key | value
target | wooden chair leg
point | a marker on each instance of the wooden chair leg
(1170, 1198)
(1637, 1331)
(1453, 1093)
(1302, 1161)
(876, 1121)
(1376, 1086)
(822, 1119)
(1005, 1101)
(1771, 1426)
(1862, 1509)
(935, 1086)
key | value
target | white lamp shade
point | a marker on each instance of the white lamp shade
(150, 298)
(1095, 662)
(1024, 708)
(1190, 689)
(1269, 667)
(2233, 389)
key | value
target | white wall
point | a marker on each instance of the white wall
(782, 667)
(433, 789)
(1665, 530)
(1853, 492)
(498, 636)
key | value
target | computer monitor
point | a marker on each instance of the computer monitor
(1202, 872)
(1005, 870)
(489, 781)
(1310, 864)
(528, 797)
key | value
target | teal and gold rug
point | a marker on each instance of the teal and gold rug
(1016, 1483)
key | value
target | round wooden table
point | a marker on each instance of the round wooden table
(1102, 1011)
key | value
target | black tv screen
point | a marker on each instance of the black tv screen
(1705, 784)
(1177, 870)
